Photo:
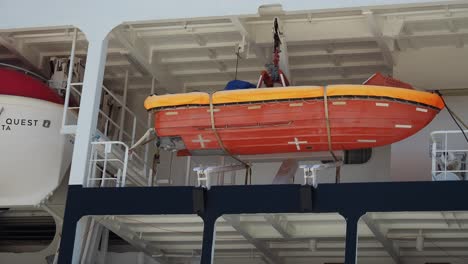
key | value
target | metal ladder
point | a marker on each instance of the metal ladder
(111, 162)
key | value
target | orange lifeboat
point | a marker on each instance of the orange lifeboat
(290, 119)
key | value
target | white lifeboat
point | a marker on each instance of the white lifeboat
(34, 156)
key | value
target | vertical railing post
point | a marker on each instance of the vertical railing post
(351, 237)
(92, 166)
(124, 170)
(188, 170)
(433, 161)
(69, 79)
(89, 109)
(445, 156)
(133, 130)
(146, 169)
(123, 110)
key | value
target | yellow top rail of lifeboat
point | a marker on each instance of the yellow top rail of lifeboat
(293, 93)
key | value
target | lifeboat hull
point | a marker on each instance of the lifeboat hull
(287, 126)
(34, 156)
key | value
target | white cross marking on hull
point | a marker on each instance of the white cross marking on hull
(201, 140)
(297, 143)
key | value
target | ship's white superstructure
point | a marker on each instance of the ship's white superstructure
(123, 52)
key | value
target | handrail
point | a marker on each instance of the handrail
(120, 102)
(128, 134)
(114, 97)
(105, 160)
(445, 160)
(24, 70)
(435, 133)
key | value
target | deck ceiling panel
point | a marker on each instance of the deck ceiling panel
(429, 26)
(311, 237)
(461, 24)
(171, 40)
(192, 37)
(174, 52)
(323, 47)
(320, 32)
(59, 48)
(344, 70)
(431, 41)
(336, 59)
(214, 64)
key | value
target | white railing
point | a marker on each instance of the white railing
(107, 124)
(126, 129)
(101, 172)
(449, 155)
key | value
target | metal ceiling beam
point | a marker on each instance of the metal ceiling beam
(200, 40)
(210, 83)
(7, 57)
(434, 34)
(193, 46)
(435, 17)
(342, 65)
(241, 27)
(141, 55)
(271, 257)
(379, 37)
(429, 233)
(175, 25)
(78, 52)
(115, 63)
(380, 236)
(156, 32)
(133, 238)
(213, 70)
(336, 52)
(317, 33)
(280, 224)
(459, 43)
(25, 54)
(64, 38)
(211, 57)
(216, 70)
(332, 81)
(451, 25)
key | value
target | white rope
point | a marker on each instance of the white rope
(218, 138)
(144, 139)
(327, 122)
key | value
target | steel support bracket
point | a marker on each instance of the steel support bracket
(199, 197)
(305, 196)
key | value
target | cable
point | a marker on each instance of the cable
(237, 61)
(221, 144)
(452, 115)
(330, 148)
(460, 120)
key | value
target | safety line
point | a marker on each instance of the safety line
(218, 138)
(327, 122)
